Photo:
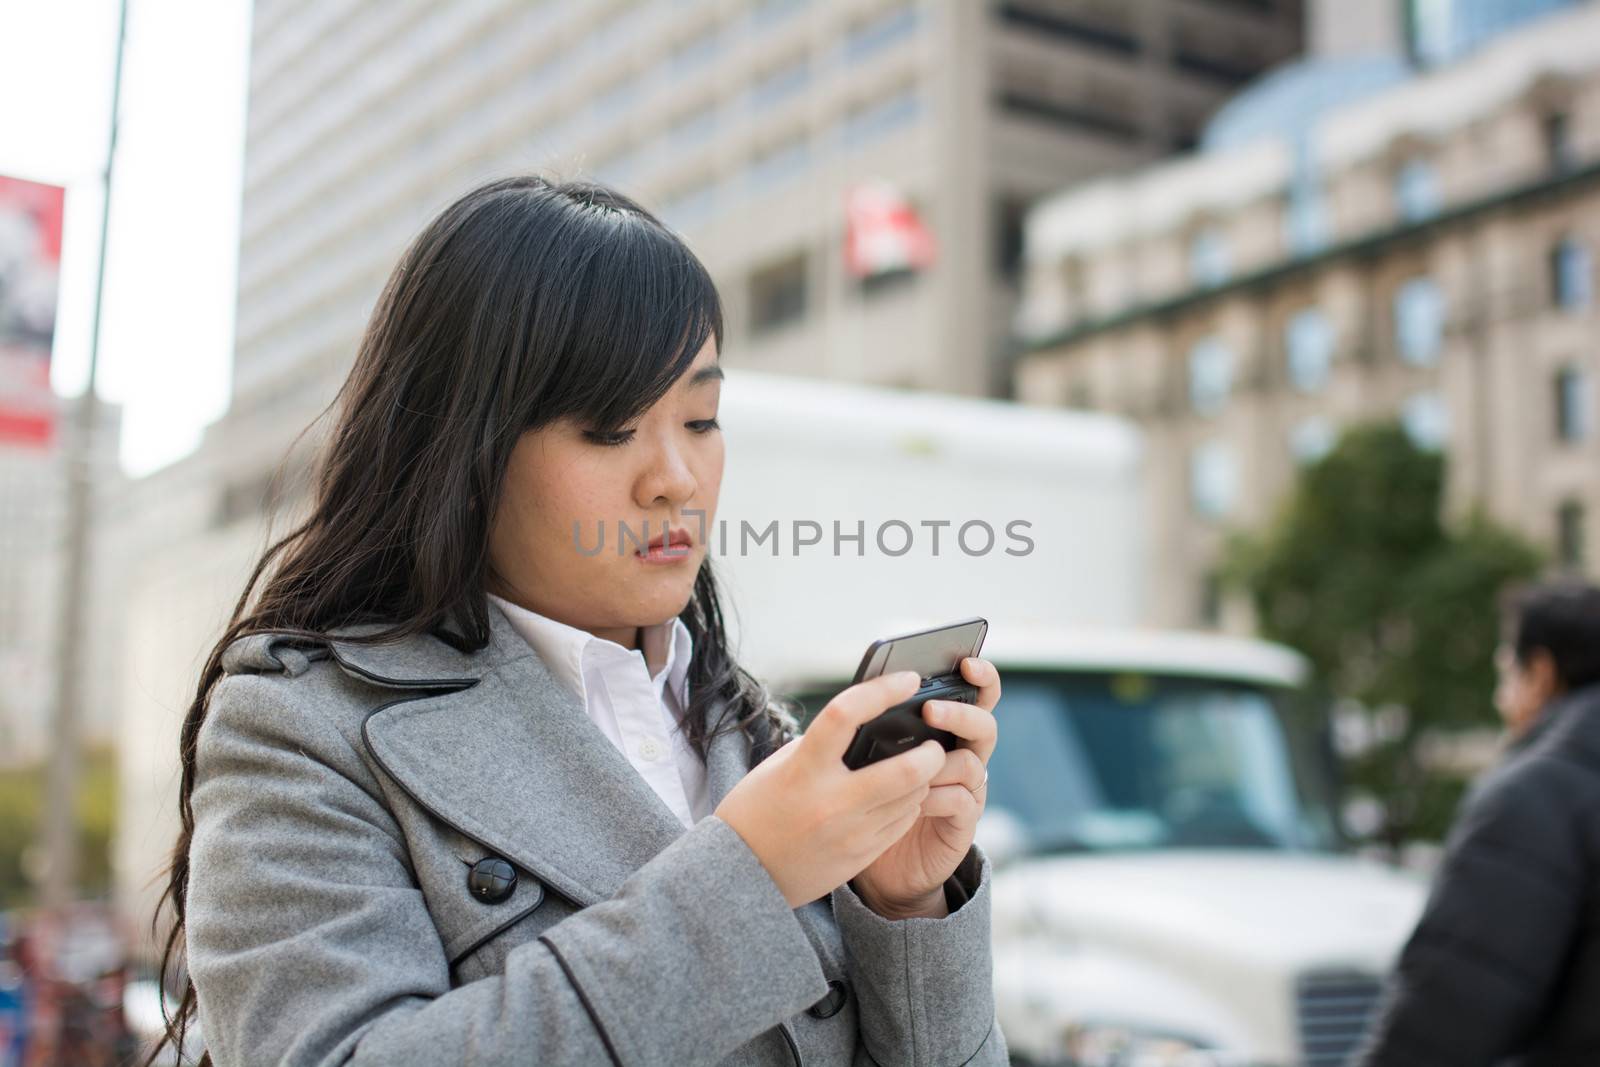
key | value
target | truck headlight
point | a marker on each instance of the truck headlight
(1111, 1045)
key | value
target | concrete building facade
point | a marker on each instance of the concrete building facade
(1436, 263)
(742, 123)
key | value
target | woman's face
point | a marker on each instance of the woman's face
(565, 474)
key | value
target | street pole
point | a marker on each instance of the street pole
(60, 881)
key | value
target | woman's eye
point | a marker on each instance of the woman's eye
(704, 425)
(618, 437)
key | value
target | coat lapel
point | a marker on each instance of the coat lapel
(490, 743)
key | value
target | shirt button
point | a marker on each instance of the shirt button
(650, 749)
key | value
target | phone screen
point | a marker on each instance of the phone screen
(930, 652)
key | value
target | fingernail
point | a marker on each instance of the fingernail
(909, 676)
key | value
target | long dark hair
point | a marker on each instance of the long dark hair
(524, 301)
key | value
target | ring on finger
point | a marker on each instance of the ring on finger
(982, 783)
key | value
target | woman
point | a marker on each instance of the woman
(432, 808)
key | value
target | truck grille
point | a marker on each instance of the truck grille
(1335, 1010)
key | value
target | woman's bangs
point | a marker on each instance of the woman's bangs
(648, 308)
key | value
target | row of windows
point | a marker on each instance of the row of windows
(1309, 345)
(1214, 477)
(1569, 272)
(780, 292)
(791, 156)
(1571, 535)
(693, 128)
(861, 40)
(1418, 315)
(1416, 196)
(1213, 467)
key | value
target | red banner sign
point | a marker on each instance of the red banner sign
(883, 233)
(30, 273)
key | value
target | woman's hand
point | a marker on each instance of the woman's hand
(812, 821)
(908, 878)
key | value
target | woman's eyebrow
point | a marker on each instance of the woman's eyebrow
(712, 373)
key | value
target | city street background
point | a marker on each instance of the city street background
(1276, 318)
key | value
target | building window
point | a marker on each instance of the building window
(1426, 421)
(1307, 219)
(1210, 375)
(1311, 439)
(1208, 257)
(1213, 480)
(1571, 274)
(1572, 405)
(1100, 114)
(1570, 535)
(696, 53)
(1419, 321)
(778, 294)
(764, 13)
(779, 85)
(1308, 342)
(616, 98)
(872, 36)
(1074, 273)
(695, 126)
(1210, 598)
(882, 282)
(616, 168)
(1558, 147)
(689, 204)
(1416, 191)
(780, 161)
(1099, 33)
(1011, 215)
(873, 121)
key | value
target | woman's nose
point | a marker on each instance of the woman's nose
(669, 476)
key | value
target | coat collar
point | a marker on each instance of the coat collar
(507, 756)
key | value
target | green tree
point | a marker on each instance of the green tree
(1394, 609)
(21, 803)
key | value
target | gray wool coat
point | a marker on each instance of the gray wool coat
(343, 794)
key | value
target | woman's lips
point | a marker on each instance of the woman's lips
(672, 546)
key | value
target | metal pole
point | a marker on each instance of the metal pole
(60, 883)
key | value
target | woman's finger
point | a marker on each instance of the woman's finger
(961, 767)
(834, 727)
(984, 675)
(951, 802)
(895, 776)
(975, 726)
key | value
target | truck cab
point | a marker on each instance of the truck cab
(1172, 888)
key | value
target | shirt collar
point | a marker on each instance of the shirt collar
(566, 649)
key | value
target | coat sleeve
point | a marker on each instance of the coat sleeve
(926, 986)
(1473, 978)
(309, 942)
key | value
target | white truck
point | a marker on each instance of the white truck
(1171, 888)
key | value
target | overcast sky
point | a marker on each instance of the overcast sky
(167, 315)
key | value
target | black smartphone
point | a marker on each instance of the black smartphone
(936, 655)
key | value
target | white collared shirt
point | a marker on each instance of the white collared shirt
(638, 712)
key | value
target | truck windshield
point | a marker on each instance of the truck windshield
(1117, 761)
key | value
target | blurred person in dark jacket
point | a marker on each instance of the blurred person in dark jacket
(1504, 965)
